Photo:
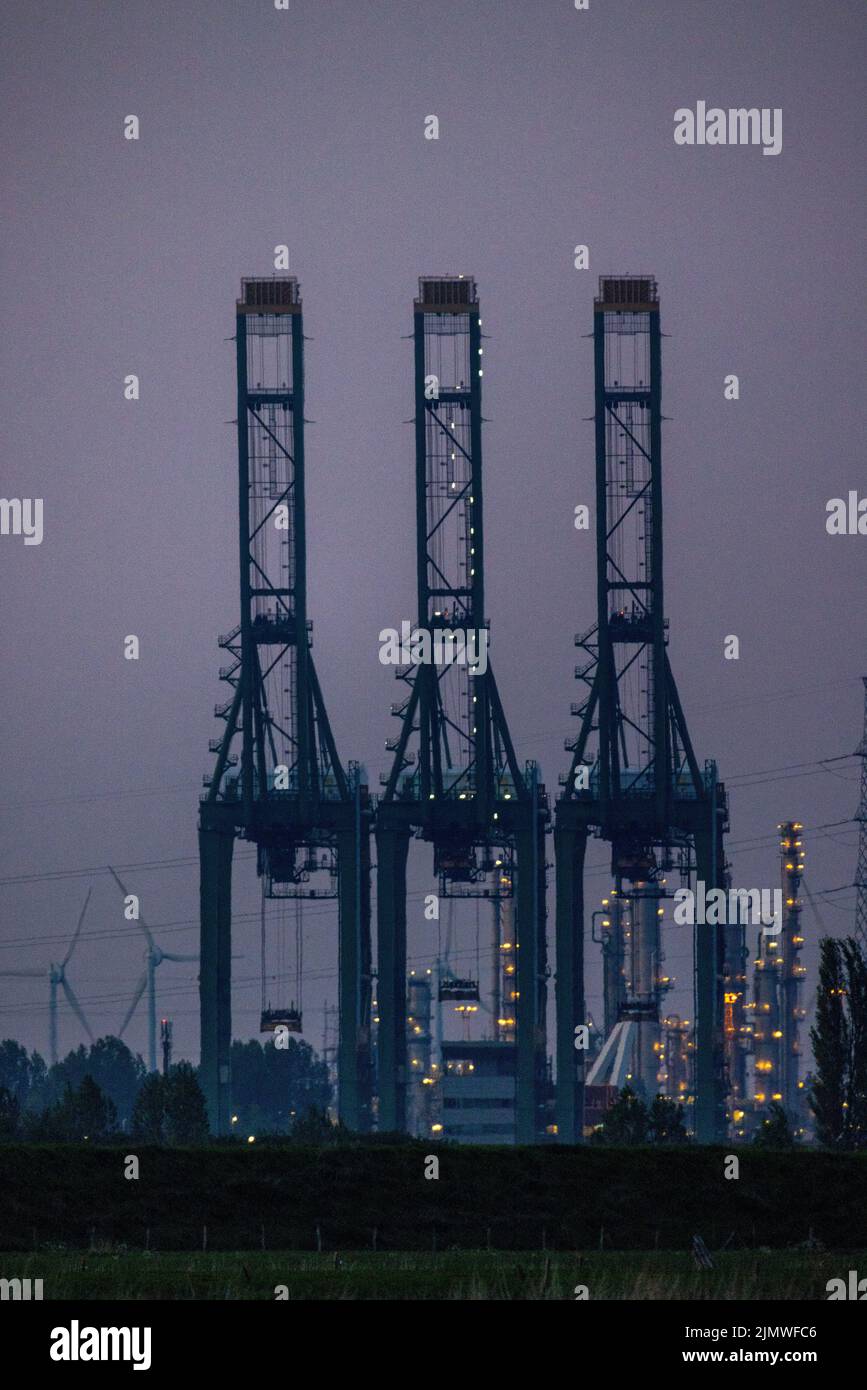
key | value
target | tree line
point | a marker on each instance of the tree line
(104, 1091)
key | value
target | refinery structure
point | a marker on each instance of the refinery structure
(491, 1043)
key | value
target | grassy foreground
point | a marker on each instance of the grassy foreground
(466, 1274)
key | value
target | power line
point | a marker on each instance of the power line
(744, 779)
(784, 773)
(191, 788)
(143, 866)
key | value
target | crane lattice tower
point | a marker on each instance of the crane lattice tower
(455, 780)
(634, 778)
(287, 790)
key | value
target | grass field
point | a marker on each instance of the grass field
(465, 1274)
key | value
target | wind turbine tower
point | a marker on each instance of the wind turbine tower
(57, 980)
(154, 956)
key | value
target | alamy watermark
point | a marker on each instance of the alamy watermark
(77, 1343)
(730, 907)
(22, 516)
(20, 1289)
(739, 125)
(451, 646)
(846, 516)
(853, 1288)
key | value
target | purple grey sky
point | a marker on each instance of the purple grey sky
(305, 127)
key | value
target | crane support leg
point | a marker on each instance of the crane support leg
(353, 1053)
(569, 848)
(215, 973)
(710, 1118)
(529, 1014)
(392, 849)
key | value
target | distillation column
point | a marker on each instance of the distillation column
(791, 971)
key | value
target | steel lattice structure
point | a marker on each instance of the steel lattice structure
(634, 779)
(455, 780)
(308, 817)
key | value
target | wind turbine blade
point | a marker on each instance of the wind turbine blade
(139, 921)
(77, 930)
(171, 955)
(140, 989)
(23, 974)
(75, 1006)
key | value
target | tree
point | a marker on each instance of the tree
(65, 1075)
(665, 1122)
(92, 1113)
(186, 1114)
(774, 1131)
(627, 1121)
(118, 1071)
(149, 1110)
(171, 1109)
(109, 1062)
(838, 1097)
(855, 965)
(830, 1040)
(84, 1114)
(10, 1115)
(20, 1074)
(272, 1086)
(315, 1128)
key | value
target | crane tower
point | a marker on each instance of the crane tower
(286, 790)
(455, 780)
(634, 778)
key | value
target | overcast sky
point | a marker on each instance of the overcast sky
(306, 127)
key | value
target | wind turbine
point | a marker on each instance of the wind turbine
(154, 955)
(57, 978)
